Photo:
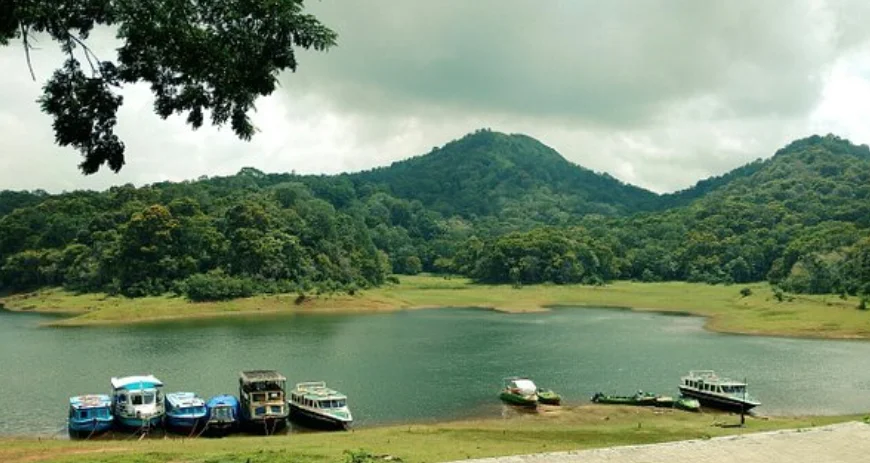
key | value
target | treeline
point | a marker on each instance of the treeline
(799, 220)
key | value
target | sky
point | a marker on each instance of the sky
(659, 94)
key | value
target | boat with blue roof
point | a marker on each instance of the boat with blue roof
(89, 415)
(224, 413)
(185, 412)
(137, 402)
(314, 404)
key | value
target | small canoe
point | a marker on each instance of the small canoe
(688, 404)
(548, 397)
(664, 401)
(639, 399)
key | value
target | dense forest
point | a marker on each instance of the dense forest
(497, 208)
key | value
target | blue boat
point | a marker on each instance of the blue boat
(224, 414)
(137, 402)
(89, 415)
(185, 412)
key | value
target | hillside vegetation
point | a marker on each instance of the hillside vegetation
(494, 207)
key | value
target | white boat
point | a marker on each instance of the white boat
(717, 392)
(137, 401)
(313, 403)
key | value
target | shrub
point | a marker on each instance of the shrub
(863, 304)
(218, 286)
(745, 292)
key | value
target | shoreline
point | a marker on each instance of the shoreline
(563, 428)
(724, 309)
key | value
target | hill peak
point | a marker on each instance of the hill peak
(830, 142)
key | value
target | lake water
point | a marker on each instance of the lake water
(425, 365)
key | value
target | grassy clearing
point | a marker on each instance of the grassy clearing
(727, 311)
(550, 430)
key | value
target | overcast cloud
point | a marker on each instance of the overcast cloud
(656, 93)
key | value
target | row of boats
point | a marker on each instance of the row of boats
(699, 387)
(138, 404)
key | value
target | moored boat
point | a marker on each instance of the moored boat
(688, 404)
(223, 415)
(549, 397)
(717, 392)
(185, 412)
(262, 400)
(137, 402)
(314, 404)
(89, 415)
(519, 391)
(664, 401)
(638, 399)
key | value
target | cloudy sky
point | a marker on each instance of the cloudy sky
(657, 93)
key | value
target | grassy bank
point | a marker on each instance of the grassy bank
(549, 430)
(727, 310)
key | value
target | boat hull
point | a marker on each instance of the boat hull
(310, 419)
(83, 429)
(719, 402)
(137, 423)
(220, 428)
(266, 426)
(184, 425)
(644, 401)
(688, 404)
(519, 400)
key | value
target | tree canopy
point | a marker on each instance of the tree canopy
(201, 58)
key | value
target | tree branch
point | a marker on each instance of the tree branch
(27, 51)
(88, 52)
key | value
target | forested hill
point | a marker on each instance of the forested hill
(496, 207)
(508, 176)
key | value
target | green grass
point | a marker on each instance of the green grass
(727, 311)
(550, 430)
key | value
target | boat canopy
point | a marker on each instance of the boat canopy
(90, 401)
(317, 390)
(258, 376)
(710, 377)
(133, 383)
(526, 386)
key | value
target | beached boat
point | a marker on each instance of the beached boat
(314, 404)
(717, 392)
(640, 399)
(664, 401)
(185, 412)
(548, 397)
(137, 402)
(224, 414)
(519, 391)
(688, 404)
(89, 415)
(262, 400)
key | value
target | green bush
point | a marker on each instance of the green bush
(745, 292)
(218, 286)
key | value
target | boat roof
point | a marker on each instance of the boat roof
(253, 376)
(521, 382)
(136, 382)
(317, 390)
(90, 401)
(184, 399)
(225, 399)
(711, 377)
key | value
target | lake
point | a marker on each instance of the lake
(423, 365)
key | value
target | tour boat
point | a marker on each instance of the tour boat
(185, 412)
(223, 415)
(262, 400)
(519, 391)
(137, 401)
(314, 404)
(713, 391)
(89, 415)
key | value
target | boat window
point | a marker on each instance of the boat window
(83, 414)
(149, 398)
(122, 398)
(342, 403)
(260, 411)
(259, 397)
(276, 409)
(102, 413)
(274, 396)
(325, 404)
(199, 410)
(136, 399)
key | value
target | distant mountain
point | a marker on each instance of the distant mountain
(489, 173)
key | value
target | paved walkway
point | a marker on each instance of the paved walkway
(839, 443)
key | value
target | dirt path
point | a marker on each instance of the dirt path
(840, 443)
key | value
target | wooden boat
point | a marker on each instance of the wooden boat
(639, 399)
(519, 391)
(137, 402)
(716, 392)
(664, 401)
(185, 412)
(224, 414)
(89, 415)
(262, 400)
(548, 397)
(314, 404)
(688, 404)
